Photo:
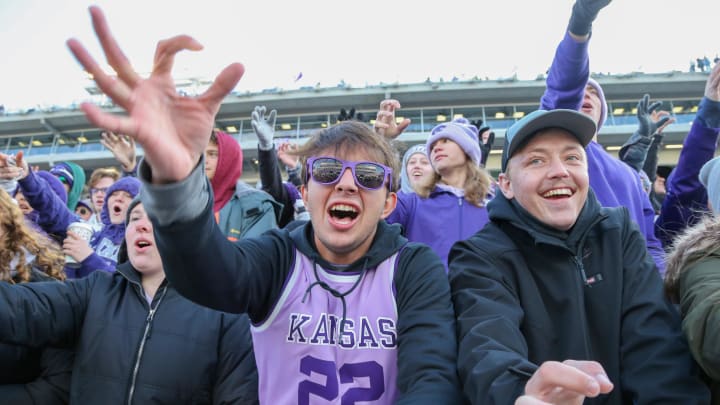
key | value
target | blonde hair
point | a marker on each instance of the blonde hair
(99, 173)
(18, 239)
(476, 187)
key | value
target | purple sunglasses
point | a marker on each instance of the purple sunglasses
(368, 175)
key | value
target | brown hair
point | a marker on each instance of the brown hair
(348, 136)
(18, 239)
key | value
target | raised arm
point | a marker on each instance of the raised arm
(570, 69)
(686, 197)
(173, 129)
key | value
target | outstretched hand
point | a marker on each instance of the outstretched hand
(385, 123)
(172, 129)
(13, 167)
(122, 147)
(650, 120)
(584, 12)
(712, 86)
(286, 156)
(263, 126)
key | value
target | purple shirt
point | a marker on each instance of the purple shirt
(301, 355)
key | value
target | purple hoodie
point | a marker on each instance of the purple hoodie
(615, 184)
(686, 199)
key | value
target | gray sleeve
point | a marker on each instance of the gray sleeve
(175, 202)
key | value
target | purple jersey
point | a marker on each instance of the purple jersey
(303, 357)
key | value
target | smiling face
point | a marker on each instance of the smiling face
(118, 203)
(419, 169)
(345, 216)
(142, 251)
(548, 177)
(446, 156)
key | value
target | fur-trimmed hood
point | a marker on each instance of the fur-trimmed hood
(696, 243)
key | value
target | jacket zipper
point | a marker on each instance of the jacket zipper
(141, 348)
(581, 297)
(460, 217)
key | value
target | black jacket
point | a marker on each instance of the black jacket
(250, 275)
(34, 375)
(525, 294)
(175, 353)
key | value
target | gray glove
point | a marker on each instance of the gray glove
(583, 14)
(264, 127)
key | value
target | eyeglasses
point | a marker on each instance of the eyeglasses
(94, 190)
(368, 175)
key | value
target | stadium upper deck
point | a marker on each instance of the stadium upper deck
(64, 133)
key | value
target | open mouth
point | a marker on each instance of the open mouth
(116, 210)
(343, 213)
(558, 193)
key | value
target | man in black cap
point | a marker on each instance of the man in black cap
(557, 298)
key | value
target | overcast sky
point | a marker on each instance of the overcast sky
(364, 42)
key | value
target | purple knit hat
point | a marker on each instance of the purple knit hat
(462, 133)
(603, 102)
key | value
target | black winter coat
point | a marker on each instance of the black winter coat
(525, 294)
(128, 351)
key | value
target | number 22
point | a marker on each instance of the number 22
(347, 373)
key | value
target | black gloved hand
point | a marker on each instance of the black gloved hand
(485, 147)
(646, 126)
(583, 14)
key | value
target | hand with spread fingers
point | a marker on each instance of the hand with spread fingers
(122, 147)
(172, 129)
(264, 126)
(385, 123)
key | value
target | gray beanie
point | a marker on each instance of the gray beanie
(404, 179)
(710, 178)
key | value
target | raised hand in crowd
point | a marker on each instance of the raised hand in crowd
(650, 120)
(487, 139)
(385, 123)
(264, 126)
(584, 12)
(123, 148)
(13, 167)
(285, 154)
(173, 129)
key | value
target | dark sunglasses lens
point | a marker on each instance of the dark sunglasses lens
(326, 170)
(370, 175)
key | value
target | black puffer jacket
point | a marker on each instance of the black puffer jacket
(128, 351)
(34, 375)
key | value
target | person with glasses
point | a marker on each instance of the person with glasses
(452, 206)
(100, 180)
(344, 308)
